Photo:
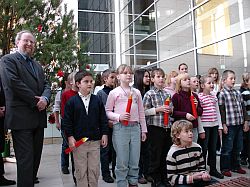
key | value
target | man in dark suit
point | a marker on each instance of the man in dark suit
(27, 94)
(3, 180)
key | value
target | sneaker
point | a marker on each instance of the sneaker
(6, 182)
(142, 180)
(227, 173)
(216, 174)
(65, 170)
(36, 181)
(240, 171)
(108, 179)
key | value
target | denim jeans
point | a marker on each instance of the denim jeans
(209, 145)
(127, 141)
(64, 156)
(231, 148)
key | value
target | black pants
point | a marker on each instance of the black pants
(144, 158)
(160, 142)
(28, 145)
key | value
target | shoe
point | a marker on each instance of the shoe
(36, 181)
(216, 174)
(108, 179)
(243, 162)
(114, 176)
(149, 178)
(6, 182)
(227, 173)
(218, 153)
(142, 180)
(240, 171)
(65, 170)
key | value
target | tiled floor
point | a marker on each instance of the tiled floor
(50, 174)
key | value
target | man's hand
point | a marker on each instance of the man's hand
(104, 141)
(42, 103)
(2, 111)
(72, 142)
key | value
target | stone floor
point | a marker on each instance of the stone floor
(50, 174)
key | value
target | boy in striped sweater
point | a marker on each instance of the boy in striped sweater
(185, 163)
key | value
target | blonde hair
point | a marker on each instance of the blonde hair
(179, 78)
(157, 70)
(176, 129)
(123, 67)
(203, 80)
(169, 76)
(245, 79)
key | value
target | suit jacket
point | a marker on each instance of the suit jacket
(2, 135)
(20, 87)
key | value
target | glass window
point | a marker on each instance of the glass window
(172, 64)
(126, 16)
(170, 10)
(176, 38)
(142, 60)
(147, 46)
(102, 59)
(95, 22)
(98, 43)
(141, 5)
(97, 5)
(237, 61)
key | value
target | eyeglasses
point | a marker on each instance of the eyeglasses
(28, 41)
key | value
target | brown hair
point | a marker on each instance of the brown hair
(212, 71)
(157, 70)
(171, 75)
(176, 129)
(203, 80)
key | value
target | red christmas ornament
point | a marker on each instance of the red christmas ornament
(39, 28)
(87, 66)
(60, 73)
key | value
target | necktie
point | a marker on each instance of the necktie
(28, 59)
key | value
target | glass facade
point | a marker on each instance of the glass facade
(96, 29)
(200, 33)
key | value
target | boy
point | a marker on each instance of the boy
(158, 134)
(85, 117)
(233, 112)
(185, 163)
(109, 78)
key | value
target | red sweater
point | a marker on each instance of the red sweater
(65, 97)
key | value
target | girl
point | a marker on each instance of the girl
(209, 123)
(171, 83)
(183, 68)
(194, 84)
(182, 104)
(214, 73)
(126, 138)
(142, 83)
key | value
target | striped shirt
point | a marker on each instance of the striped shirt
(208, 103)
(246, 97)
(182, 162)
(232, 100)
(152, 99)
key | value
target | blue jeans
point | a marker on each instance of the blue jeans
(127, 142)
(232, 143)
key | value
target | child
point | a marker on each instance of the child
(194, 84)
(142, 83)
(171, 83)
(159, 135)
(183, 68)
(182, 104)
(232, 111)
(108, 77)
(245, 92)
(214, 73)
(185, 163)
(66, 85)
(126, 138)
(85, 117)
(209, 123)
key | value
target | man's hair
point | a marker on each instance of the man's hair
(157, 70)
(176, 129)
(81, 74)
(226, 73)
(106, 73)
(19, 35)
(181, 65)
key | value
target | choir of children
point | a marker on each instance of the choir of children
(140, 127)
